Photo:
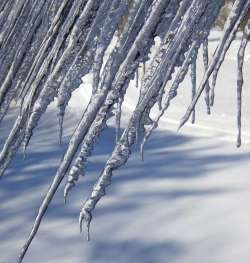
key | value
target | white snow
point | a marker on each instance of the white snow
(187, 203)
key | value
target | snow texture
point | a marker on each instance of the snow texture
(48, 48)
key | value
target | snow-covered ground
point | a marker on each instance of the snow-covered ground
(188, 202)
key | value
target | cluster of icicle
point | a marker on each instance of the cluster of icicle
(47, 46)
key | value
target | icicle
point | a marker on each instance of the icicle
(240, 8)
(137, 78)
(118, 118)
(107, 71)
(86, 148)
(12, 144)
(19, 55)
(241, 54)
(121, 82)
(42, 55)
(8, 152)
(190, 58)
(43, 101)
(88, 117)
(81, 65)
(205, 61)
(119, 157)
(122, 150)
(5, 17)
(25, 52)
(193, 79)
(14, 16)
(143, 69)
(60, 123)
(237, 11)
(143, 72)
(9, 50)
(48, 93)
(46, 47)
(113, 95)
(110, 24)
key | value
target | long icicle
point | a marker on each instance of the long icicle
(49, 92)
(235, 21)
(51, 35)
(110, 23)
(51, 45)
(79, 133)
(122, 150)
(80, 65)
(5, 99)
(126, 72)
(191, 58)
(241, 53)
(87, 146)
(237, 11)
(193, 80)
(205, 60)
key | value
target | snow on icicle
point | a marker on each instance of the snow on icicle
(8, 50)
(7, 91)
(49, 91)
(80, 66)
(14, 12)
(199, 36)
(11, 144)
(240, 9)
(109, 25)
(170, 94)
(232, 24)
(122, 150)
(82, 128)
(47, 46)
(47, 50)
(15, 138)
(118, 83)
(118, 118)
(5, 8)
(119, 87)
(125, 73)
(7, 53)
(87, 145)
(78, 166)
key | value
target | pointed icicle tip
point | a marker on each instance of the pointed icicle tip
(212, 95)
(67, 188)
(142, 151)
(182, 122)
(21, 256)
(238, 143)
(80, 222)
(87, 216)
(88, 231)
